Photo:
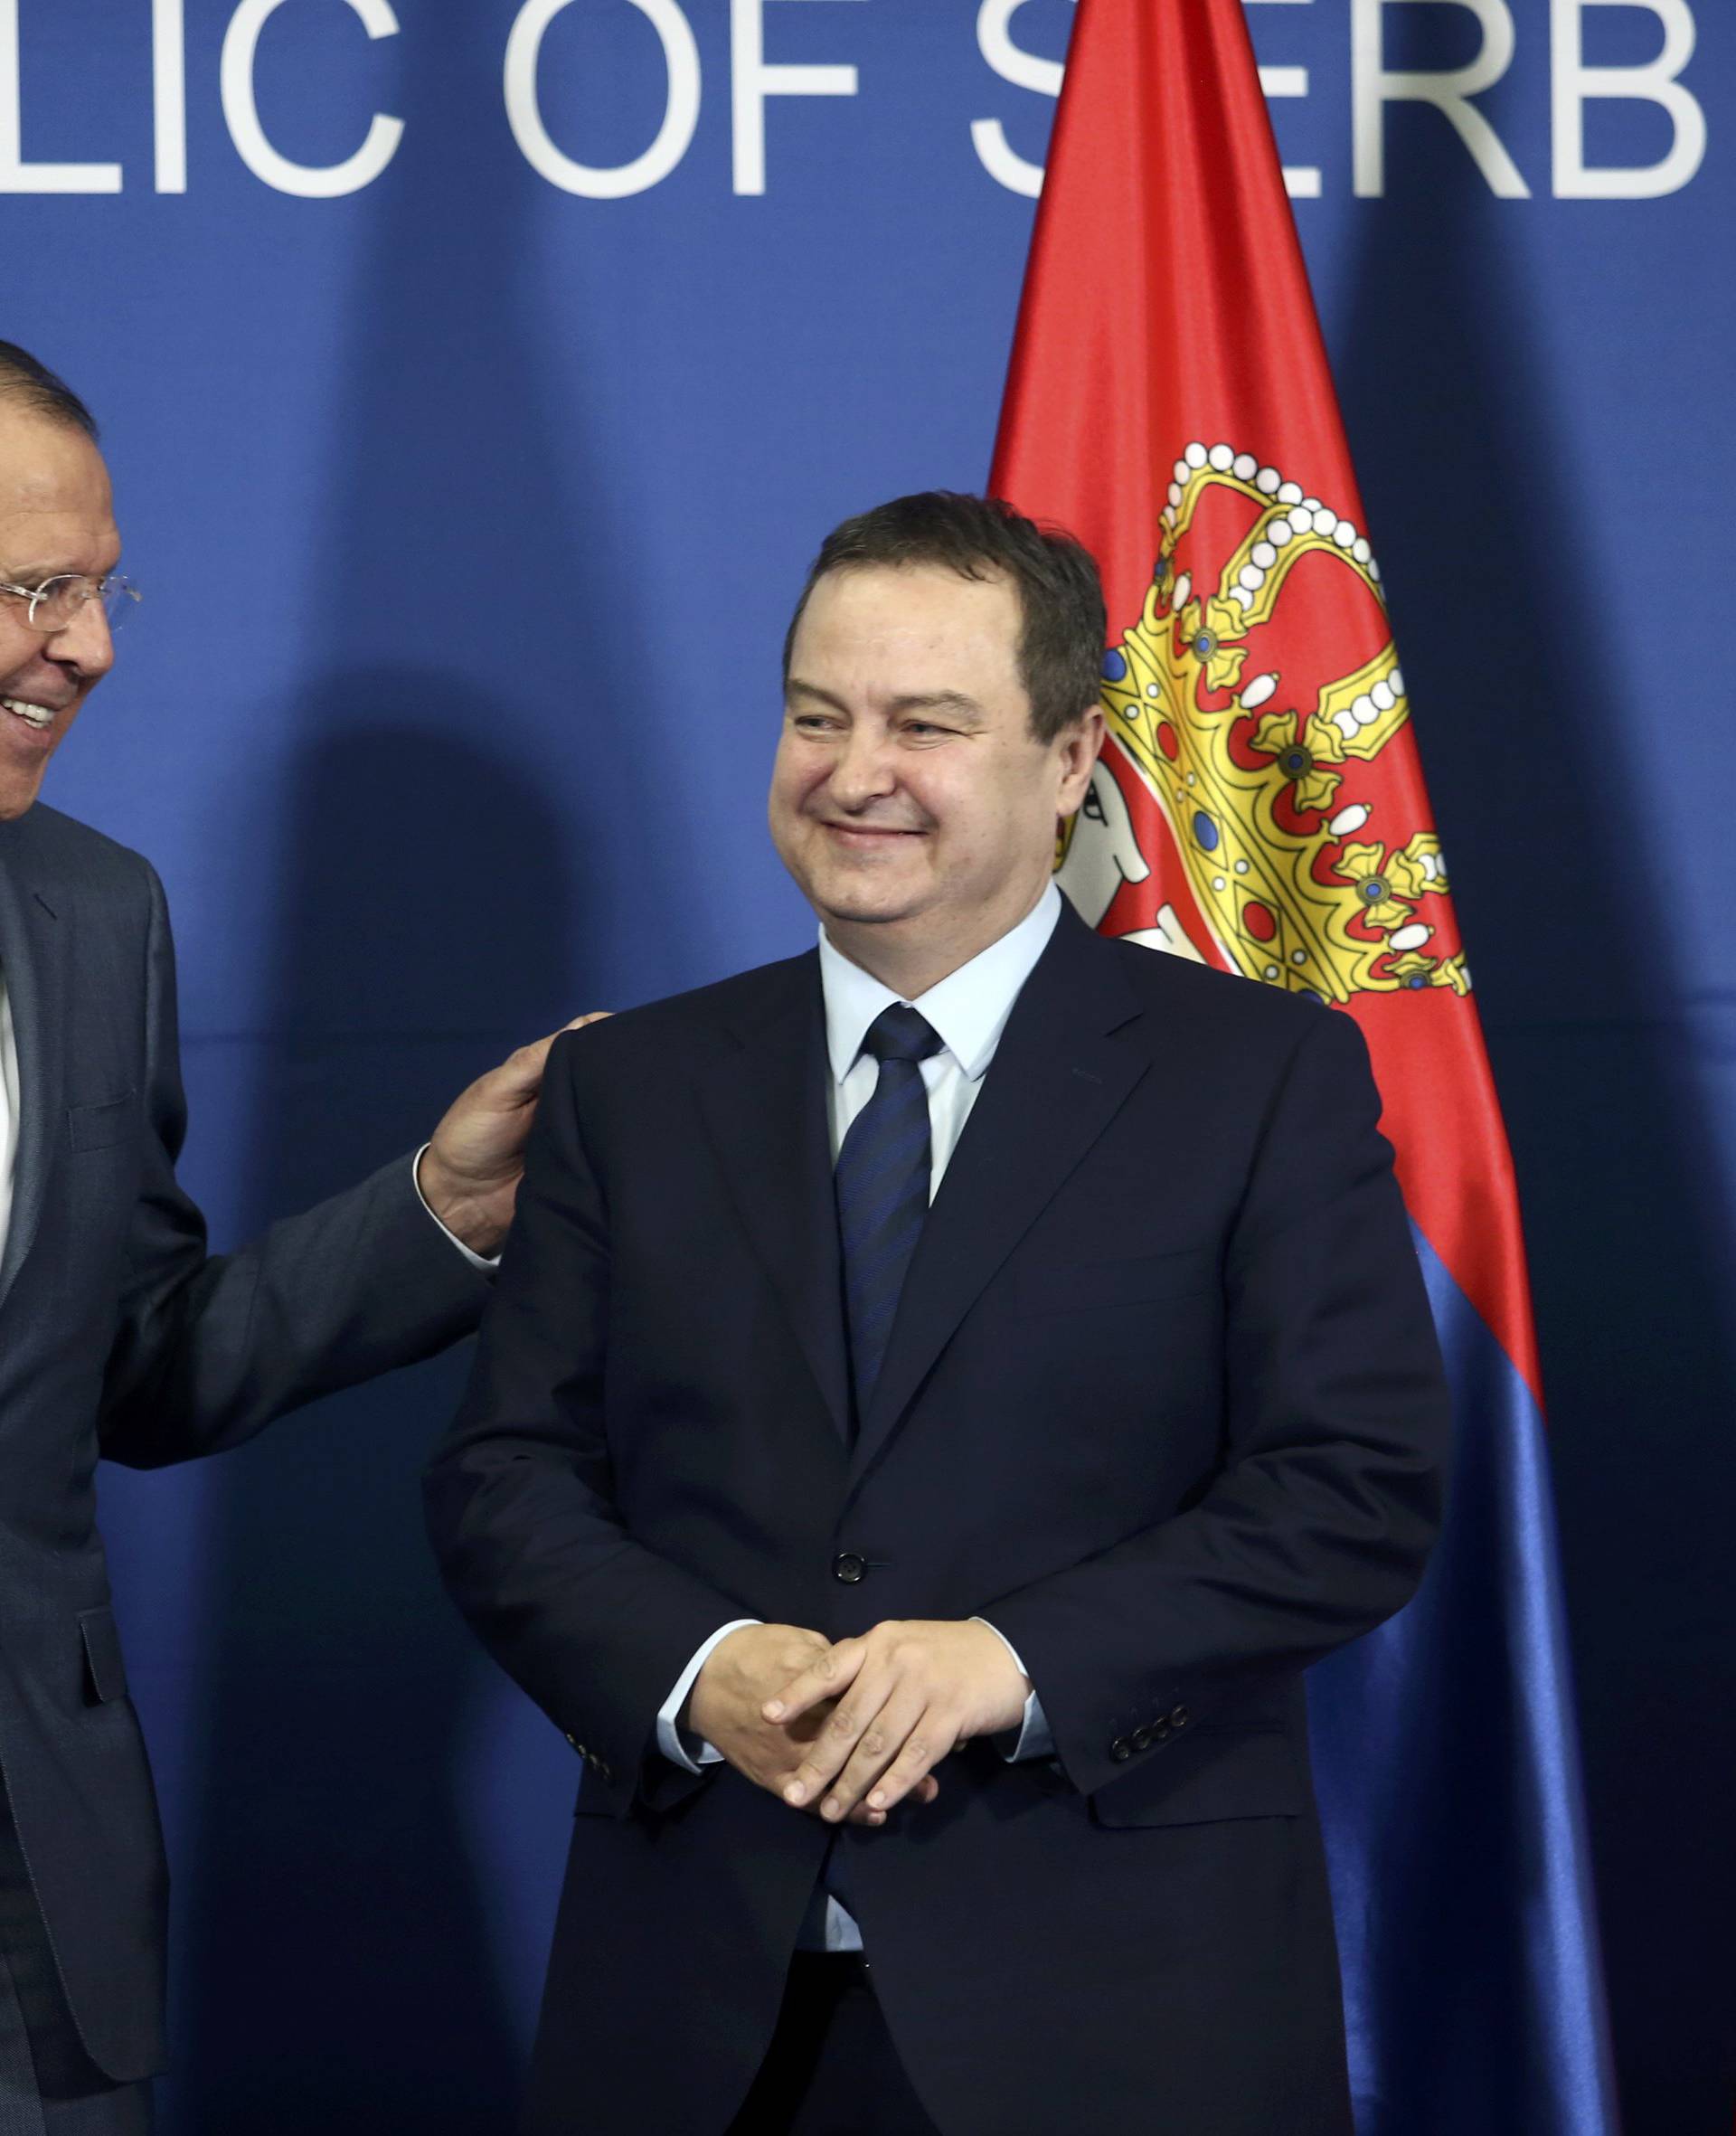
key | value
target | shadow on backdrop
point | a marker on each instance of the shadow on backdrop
(451, 889)
(335, 1970)
(1497, 621)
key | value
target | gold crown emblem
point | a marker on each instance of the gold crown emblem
(1276, 814)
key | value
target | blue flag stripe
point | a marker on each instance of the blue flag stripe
(1460, 1868)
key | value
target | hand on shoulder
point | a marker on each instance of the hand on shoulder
(469, 1172)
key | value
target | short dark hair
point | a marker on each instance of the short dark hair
(1060, 645)
(27, 383)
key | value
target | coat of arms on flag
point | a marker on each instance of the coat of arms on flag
(1256, 750)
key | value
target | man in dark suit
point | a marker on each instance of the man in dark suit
(928, 1588)
(119, 1335)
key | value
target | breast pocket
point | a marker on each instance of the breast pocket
(102, 1125)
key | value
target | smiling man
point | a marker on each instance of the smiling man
(58, 546)
(941, 1393)
(118, 1333)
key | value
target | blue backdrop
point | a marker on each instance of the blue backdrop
(477, 380)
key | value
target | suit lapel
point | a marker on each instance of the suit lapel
(764, 1103)
(31, 957)
(1059, 1077)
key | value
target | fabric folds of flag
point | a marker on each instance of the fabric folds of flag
(1260, 807)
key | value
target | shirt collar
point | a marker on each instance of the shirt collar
(968, 1009)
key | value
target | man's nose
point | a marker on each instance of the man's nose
(866, 768)
(85, 643)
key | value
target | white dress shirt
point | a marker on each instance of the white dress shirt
(967, 1011)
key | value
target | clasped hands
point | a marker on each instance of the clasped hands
(852, 1729)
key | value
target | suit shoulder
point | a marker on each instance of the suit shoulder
(656, 1029)
(60, 845)
(1223, 1001)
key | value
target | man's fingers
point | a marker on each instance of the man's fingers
(519, 1076)
(825, 1676)
(527, 1063)
(926, 1745)
(856, 1719)
(899, 1728)
(925, 1790)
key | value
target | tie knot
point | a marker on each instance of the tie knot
(901, 1034)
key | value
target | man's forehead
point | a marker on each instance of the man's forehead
(54, 494)
(41, 460)
(912, 611)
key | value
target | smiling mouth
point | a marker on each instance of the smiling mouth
(33, 715)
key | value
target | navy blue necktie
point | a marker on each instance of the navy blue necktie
(882, 1181)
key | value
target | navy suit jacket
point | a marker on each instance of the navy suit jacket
(120, 1337)
(1162, 1401)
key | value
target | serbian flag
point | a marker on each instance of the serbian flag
(1259, 806)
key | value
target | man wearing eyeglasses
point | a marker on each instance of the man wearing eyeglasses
(118, 1333)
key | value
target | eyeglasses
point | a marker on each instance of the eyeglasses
(55, 605)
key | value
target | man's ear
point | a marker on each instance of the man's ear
(1079, 747)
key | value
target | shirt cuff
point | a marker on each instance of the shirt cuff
(680, 1745)
(475, 1260)
(1034, 1739)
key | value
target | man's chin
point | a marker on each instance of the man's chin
(24, 756)
(864, 896)
(867, 911)
(17, 794)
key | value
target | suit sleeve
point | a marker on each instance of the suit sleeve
(210, 1348)
(521, 1509)
(1318, 1522)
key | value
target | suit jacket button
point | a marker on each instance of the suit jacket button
(1120, 1749)
(1178, 1717)
(1142, 1739)
(849, 1568)
(603, 1772)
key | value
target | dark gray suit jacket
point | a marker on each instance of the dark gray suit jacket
(120, 1335)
